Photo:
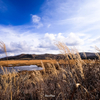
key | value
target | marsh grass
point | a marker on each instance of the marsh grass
(73, 80)
(3, 48)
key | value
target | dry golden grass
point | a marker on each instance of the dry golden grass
(3, 47)
(38, 62)
(24, 62)
(70, 79)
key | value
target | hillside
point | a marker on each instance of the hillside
(48, 56)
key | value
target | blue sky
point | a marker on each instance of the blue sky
(33, 26)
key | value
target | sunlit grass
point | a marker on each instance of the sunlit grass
(69, 79)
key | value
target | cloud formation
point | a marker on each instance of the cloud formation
(28, 42)
(73, 16)
(48, 41)
(37, 20)
(75, 23)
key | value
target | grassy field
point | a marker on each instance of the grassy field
(38, 62)
(24, 62)
(68, 79)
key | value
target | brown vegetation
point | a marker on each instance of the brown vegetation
(72, 80)
(38, 62)
(24, 62)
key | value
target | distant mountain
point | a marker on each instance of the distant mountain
(34, 57)
(89, 55)
(48, 56)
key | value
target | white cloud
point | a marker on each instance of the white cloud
(95, 41)
(50, 36)
(61, 38)
(35, 18)
(37, 21)
(76, 23)
(73, 15)
(72, 39)
(18, 42)
(48, 41)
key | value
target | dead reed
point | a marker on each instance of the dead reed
(74, 80)
(3, 48)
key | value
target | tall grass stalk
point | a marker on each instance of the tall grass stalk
(3, 48)
(70, 55)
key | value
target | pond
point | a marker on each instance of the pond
(20, 68)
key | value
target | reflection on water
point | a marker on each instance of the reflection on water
(20, 68)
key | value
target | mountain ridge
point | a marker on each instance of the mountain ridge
(48, 56)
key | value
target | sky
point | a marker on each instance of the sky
(35, 26)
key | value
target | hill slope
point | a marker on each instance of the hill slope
(48, 56)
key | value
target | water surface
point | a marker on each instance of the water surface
(20, 68)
